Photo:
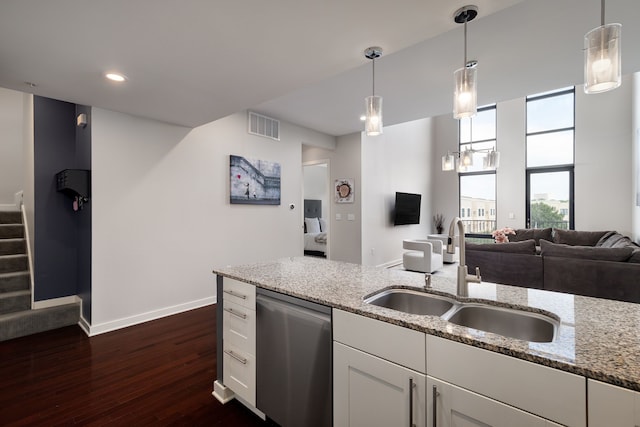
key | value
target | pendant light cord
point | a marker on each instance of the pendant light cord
(602, 14)
(373, 62)
(464, 65)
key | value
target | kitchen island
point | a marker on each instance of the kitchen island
(597, 339)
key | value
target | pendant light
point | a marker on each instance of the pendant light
(373, 103)
(602, 57)
(465, 103)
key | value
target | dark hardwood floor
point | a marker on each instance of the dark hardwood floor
(157, 373)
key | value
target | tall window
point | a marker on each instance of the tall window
(477, 184)
(550, 159)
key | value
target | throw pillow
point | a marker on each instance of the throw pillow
(531, 233)
(577, 238)
(584, 252)
(527, 247)
(323, 225)
(635, 257)
(313, 225)
(615, 240)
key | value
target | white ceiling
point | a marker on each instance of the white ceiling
(190, 62)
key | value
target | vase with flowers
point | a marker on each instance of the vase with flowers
(438, 222)
(501, 235)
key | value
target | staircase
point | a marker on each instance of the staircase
(17, 319)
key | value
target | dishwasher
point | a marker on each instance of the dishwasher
(293, 360)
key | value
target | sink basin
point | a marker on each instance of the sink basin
(518, 324)
(413, 302)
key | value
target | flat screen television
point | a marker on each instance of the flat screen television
(407, 210)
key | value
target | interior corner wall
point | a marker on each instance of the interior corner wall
(635, 129)
(391, 162)
(162, 219)
(28, 173)
(603, 160)
(11, 147)
(345, 236)
(444, 187)
(55, 240)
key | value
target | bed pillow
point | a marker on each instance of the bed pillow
(312, 224)
(323, 225)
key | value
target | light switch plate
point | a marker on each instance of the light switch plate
(351, 217)
(338, 217)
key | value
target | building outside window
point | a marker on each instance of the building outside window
(477, 184)
(550, 159)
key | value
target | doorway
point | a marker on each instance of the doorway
(317, 208)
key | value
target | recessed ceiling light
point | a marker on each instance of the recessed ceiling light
(116, 77)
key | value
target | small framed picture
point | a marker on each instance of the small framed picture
(344, 190)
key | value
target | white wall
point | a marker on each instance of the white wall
(11, 147)
(162, 218)
(635, 174)
(316, 185)
(345, 162)
(444, 187)
(394, 161)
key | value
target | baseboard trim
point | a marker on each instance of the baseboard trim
(390, 264)
(84, 325)
(54, 302)
(150, 315)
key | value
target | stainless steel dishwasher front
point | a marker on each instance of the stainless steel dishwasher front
(293, 360)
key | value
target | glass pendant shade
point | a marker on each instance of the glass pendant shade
(602, 59)
(492, 160)
(448, 162)
(373, 114)
(465, 102)
(466, 158)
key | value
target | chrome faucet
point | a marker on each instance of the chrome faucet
(463, 274)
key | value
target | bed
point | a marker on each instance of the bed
(315, 229)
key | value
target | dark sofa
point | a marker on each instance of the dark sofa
(602, 264)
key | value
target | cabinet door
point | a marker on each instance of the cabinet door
(369, 391)
(452, 406)
(611, 406)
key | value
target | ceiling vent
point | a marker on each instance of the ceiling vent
(264, 126)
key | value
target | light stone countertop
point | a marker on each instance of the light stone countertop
(597, 338)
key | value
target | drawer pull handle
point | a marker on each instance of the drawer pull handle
(235, 356)
(235, 294)
(235, 313)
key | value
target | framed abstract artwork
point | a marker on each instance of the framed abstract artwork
(344, 190)
(254, 182)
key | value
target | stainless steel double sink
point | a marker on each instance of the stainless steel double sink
(509, 322)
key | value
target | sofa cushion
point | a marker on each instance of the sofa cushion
(635, 257)
(584, 252)
(577, 238)
(615, 240)
(525, 247)
(532, 233)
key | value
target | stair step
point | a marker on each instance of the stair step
(10, 302)
(11, 282)
(30, 322)
(13, 263)
(12, 246)
(10, 217)
(11, 231)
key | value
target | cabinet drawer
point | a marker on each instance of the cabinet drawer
(550, 393)
(400, 345)
(239, 327)
(240, 373)
(238, 292)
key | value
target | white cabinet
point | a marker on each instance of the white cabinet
(370, 391)
(449, 405)
(611, 406)
(549, 393)
(378, 373)
(239, 339)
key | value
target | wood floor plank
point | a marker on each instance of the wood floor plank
(158, 373)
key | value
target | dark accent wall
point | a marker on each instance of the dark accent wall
(83, 161)
(62, 236)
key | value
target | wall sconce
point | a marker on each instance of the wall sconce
(602, 57)
(465, 103)
(373, 103)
